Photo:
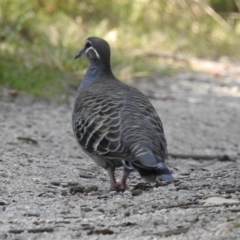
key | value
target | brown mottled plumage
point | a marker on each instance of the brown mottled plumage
(115, 124)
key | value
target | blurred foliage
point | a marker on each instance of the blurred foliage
(39, 38)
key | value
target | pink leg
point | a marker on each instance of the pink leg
(123, 184)
(113, 182)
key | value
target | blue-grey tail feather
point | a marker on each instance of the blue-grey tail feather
(164, 173)
(150, 173)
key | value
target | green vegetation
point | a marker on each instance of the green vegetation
(39, 38)
(235, 222)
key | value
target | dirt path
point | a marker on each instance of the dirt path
(50, 190)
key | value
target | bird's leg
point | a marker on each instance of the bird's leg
(113, 182)
(123, 184)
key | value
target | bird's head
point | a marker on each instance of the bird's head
(96, 50)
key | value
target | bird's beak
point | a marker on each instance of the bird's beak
(80, 54)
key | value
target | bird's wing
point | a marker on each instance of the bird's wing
(97, 125)
(148, 111)
(116, 128)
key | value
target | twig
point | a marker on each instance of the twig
(194, 204)
(229, 190)
(89, 170)
(31, 230)
(86, 176)
(223, 157)
(28, 140)
(172, 232)
(183, 205)
(105, 231)
(217, 18)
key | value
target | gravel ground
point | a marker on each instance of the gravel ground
(50, 190)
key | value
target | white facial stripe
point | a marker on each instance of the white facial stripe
(91, 48)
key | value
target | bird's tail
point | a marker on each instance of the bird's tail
(164, 173)
(149, 166)
(161, 171)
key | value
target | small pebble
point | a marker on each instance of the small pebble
(29, 214)
(227, 196)
(112, 193)
(92, 188)
(64, 184)
(65, 212)
(136, 192)
(86, 209)
(127, 214)
(64, 193)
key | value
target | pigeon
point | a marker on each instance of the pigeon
(115, 124)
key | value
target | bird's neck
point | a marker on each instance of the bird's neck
(94, 72)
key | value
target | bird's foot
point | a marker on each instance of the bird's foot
(114, 187)
(118, 187)
(122, 186)
(123, 183)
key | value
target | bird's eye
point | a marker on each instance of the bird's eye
(88, 44)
